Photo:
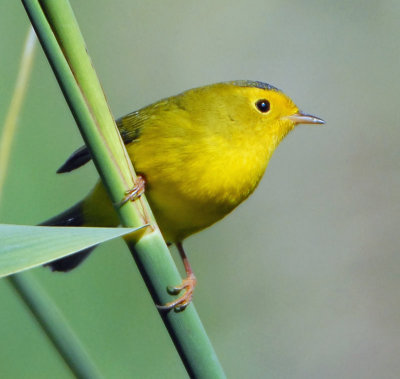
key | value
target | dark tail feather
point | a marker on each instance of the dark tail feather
(77, 159)
(71, 217)
(69, 263)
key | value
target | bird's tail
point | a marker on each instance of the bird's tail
(95, 210)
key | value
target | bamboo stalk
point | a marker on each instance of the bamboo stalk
(64, 46)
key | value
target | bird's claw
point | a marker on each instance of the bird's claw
(188, 284)
(135, 192)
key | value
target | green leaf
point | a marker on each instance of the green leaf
(23, 247)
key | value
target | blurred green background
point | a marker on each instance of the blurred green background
(302, 281)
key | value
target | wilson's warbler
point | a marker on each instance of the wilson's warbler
(200, 154)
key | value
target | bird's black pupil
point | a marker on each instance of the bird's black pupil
(263, 105)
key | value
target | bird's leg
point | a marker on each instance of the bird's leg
(188, 284)
(135, 192)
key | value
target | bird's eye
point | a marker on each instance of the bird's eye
(263, 105)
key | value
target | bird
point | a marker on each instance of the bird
(198, 155)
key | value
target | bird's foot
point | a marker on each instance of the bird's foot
(188, 284)
(135, 192)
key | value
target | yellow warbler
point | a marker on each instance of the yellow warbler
(200, 154)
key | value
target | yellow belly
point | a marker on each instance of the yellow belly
(189, 194)
(187, 190)
(180, 216)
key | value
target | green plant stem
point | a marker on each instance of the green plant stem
(64, 46)
(10, 123)
(55, 326)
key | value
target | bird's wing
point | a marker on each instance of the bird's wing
(129, 127)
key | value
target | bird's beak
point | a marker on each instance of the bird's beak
(303, 118)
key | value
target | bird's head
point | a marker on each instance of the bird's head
(251, 110)
(266, 108)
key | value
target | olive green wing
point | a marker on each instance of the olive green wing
(129, 127)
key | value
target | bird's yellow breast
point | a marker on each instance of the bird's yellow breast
(187, 194)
